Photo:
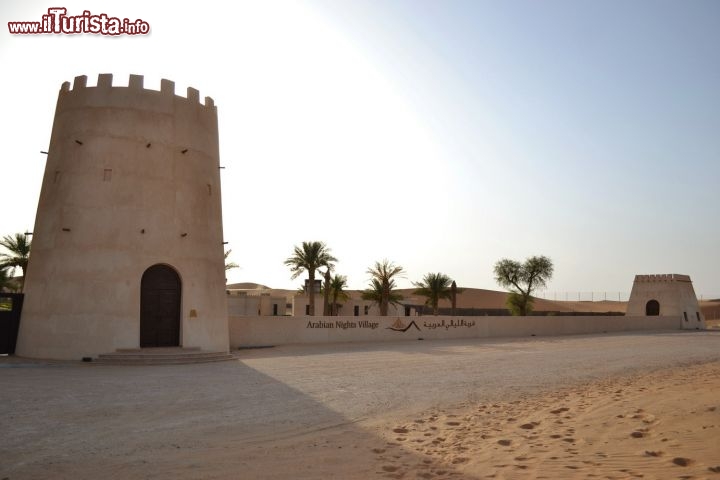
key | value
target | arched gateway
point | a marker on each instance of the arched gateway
(160, 295)
(652, 308)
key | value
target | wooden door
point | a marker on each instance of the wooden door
(160, 293)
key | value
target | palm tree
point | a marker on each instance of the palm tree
(19, 248)
(310, 257)
(434, 287)
(5, 279)
(326, 292)
(375, 294)
(336, 291)
(381, 278)
(229, 265)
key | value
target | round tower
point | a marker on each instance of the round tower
(128, 244)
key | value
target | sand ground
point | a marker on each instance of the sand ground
(606, 406)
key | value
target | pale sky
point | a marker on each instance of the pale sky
(442, 135)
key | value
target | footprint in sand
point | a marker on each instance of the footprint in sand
(504, 443)
(714, 469)
(559, 410)
(400, 430)
(653, 453)
(682, 461)
(390, 468)
(637, 434)
(452, 424)
(529, 426)
(378, 450)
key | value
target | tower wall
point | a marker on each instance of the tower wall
(132, 180)
(675, 295)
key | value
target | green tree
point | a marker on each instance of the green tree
(326, 292)
(336, 292)
(522, 279)
(309, 257)
(434, 287)
(229, 265)
(19, 247)
(375, 294)
(382, 284)
(6, 282)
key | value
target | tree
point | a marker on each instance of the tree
(522, 280)
(326, 292)
(336, 292)
(19, 247)
(375, 294)
(229, 265)
(382, 284)
(5, 279)
(310, 256)
(434, 287)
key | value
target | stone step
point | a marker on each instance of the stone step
(161, 356)
(132, 356)
(157, 350)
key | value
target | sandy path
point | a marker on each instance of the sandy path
(313, 411)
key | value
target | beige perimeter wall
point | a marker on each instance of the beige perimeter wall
(266, 331)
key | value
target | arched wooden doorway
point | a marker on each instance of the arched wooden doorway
(160, 292)
(652, 308)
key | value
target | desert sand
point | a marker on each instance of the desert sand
(662, 425)
(603, 406)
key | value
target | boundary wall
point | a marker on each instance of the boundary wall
(272, 331)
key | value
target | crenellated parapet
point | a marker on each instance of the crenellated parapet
(135, 84)
(86, 115)
(665, 277)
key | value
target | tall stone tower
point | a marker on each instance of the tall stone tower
(666, 295)
(128, 242)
